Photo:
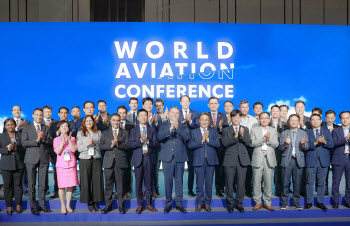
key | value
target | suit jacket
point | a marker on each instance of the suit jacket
(251, 122)
(72, 128)
(36, 151)
(256, 136)
(119, 151)
(200, 149)
(128, 125)
(11, 160)
(136, 145)
(52, 121)
(26, 122)
(194, 118)
(129, 117)
(279, 129)
(173, 144)
(322, 150)
(236, 148)
(339, 146)
(299, 149)
(220, 116)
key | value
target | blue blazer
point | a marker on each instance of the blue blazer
(194, 117)
(299, 149)
(339, 146)
(199, 149)
(136, 145)
(321, 149)
(173, 143)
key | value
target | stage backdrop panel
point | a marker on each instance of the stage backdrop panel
(65, 64)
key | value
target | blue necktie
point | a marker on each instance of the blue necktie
(134, 117)
(317, 134)
(144, 130)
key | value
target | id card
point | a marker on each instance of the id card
(144, 148)
(66, 156)
(346, 148)
(91, 150)
(264, 147)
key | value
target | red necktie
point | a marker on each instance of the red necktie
(214, 117)
(38, 129)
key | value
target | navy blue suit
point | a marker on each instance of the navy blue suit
(204, 161)
(317, 162)
(340, 163)
(219, 168)
(142, 162)
(173, 153)
(191, 126)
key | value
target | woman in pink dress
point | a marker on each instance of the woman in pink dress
(66, 165)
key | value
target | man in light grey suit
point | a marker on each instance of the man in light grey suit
(132, 114)
(36, 139)
(264, 141)
(292, 144)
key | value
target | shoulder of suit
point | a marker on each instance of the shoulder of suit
(193, 111)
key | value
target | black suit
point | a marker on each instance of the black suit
(115, 163)
(128, 181)
(219, 169)
(11, 164)
(36, 157)
(236, 161)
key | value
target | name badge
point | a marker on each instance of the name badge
(347, 148)
(144, 148)
(66, 156)
(264, 147)
(91, 150)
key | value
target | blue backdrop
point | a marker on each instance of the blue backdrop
(65, 64)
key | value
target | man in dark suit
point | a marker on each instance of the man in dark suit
(319, 111)
(330, 118)
(143, 141)
(293, 143)
(103, 115)
(20, 123)
(89, 109)
(76, 112)
(204, 142)
(190, 118)
(63, 113)
(235, 139)
(217, 121)
(317, 160)
(115, 142)
(173, 154)
(126, 125)
(36, 139)
(341, 159)
(280, 126)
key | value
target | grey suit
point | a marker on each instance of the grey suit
(36, 156)
(263, 163)
(129, 117)
(292, 165)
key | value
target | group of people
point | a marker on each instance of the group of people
(245, 153)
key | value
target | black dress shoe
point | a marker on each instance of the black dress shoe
(249, 194)
(335, 206)
(19, 211)
(230, 209)
(191, 193)
(157, 191)
(347, 205)
(122, 210)
(326, 192)
(106, 210)
(240, 209)
(321, 206)
(44, 209)
(54, 196)
(34, 211)
(9, 212)
(181, 209)
(167, 209)
(308, 205)
(219, 193)
(302, 194)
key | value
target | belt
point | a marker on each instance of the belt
(265, 156)
(294, 157)
(347, 154)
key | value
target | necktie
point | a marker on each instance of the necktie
(16, 128)
(134, 117)
(115, 134)
(236, 129)
(205, 151)
(144, 130)
(185, 113)
(37, 129)
(293, 140)
(122, 125)
(317, 133)
(214, 117)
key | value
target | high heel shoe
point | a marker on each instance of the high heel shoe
(70, 210)
(64, 212)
